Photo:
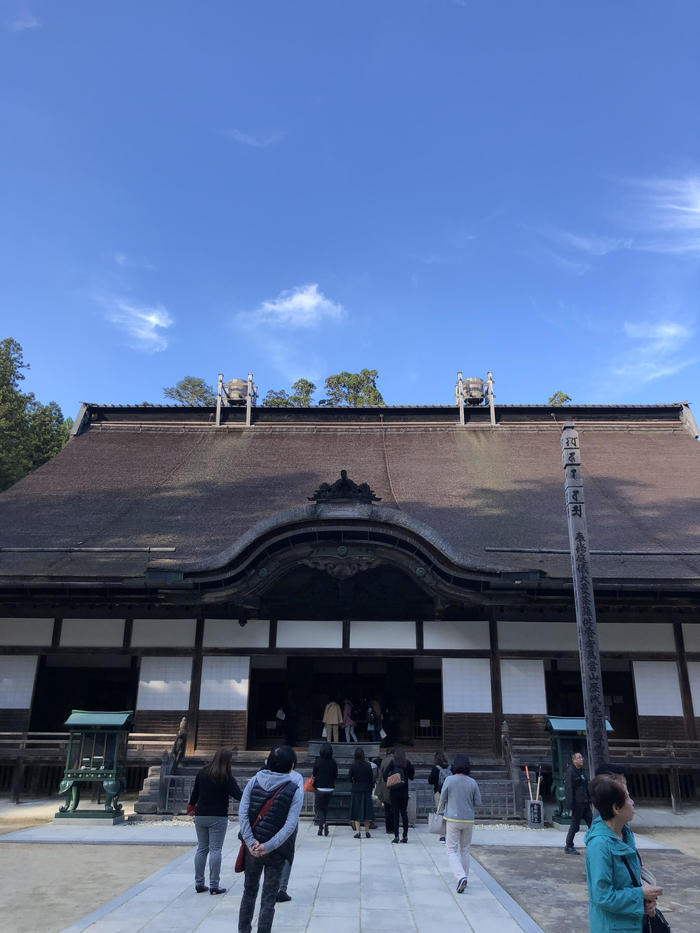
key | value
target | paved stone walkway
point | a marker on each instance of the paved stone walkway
(341, 884)
(338, 884)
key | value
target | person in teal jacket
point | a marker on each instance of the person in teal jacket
(616, 901)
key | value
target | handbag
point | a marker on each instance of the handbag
(309, 784)
(395, 779)
(658, 923)
(240, 858)
(436, 823)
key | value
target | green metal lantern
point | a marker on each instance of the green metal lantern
(97, 746)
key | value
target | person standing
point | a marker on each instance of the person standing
(325, 772)
(458, 799)
(348, 721)
(213, 786)
(282, 894)
(361, 809)
(618, 898)
(268, 840)
(398, 772)
(438, 774)
(332, 718)
(578, 801)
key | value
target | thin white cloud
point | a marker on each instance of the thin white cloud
(654, 351)
(592, 244)
(671, 214)
(301, 307)
(121, 259)
(24, 20)
(144, 325)
(256, 140)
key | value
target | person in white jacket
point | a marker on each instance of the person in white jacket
(458, 799)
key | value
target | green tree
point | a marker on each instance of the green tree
(559, 398)
(353, 390)
(191, 391)
(30, 433)
(301, 397)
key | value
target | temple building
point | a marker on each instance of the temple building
(216, 563)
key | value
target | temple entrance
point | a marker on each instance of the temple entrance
(89, 681)
(410, 698)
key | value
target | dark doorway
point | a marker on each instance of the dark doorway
(66, 682)
(565, 697)
(310, 682)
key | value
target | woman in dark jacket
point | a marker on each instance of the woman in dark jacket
(361, 810)
(213, 786)
(325, 772)
(398, 790)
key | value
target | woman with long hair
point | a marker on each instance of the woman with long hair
(399, 771)
(618, 898)
(361, 809)
(325, 772)
(213, 786)
(458, 799)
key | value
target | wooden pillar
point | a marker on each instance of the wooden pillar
(195, 688)
(496, 692)
(684, 680)
(587, 628)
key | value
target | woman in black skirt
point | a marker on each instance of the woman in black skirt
(361, 810)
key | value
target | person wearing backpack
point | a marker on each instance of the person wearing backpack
(399, 771)
(460, 795)
(438, 774)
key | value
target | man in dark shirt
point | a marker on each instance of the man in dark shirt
(577, 800)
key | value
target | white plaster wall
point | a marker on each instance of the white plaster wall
(466, 685)
(17, 673)
(694, 677)
(691, 639)
(537, 636)
(383, 635)
(639, 636)
(297, 634)
(227, 633)
(92, 633)
(163, 633)
(657, 688)
(26, 632)
(164, 684)
(468, 636)
(522, 686)
(224, 683)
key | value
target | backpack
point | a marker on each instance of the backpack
(443, 774)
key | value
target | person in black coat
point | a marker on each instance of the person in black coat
(325, 772)
(213, 786)
(362, 778)
(577, 800)
(398, 791)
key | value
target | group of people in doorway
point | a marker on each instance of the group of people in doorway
(367, 714)
(622, 893)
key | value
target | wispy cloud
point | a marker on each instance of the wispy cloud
(24, 20)
(144, 325)
(121, 259)
(672, 214)
(653, 351)
(257, 140)
(301, 307)
(592, 244)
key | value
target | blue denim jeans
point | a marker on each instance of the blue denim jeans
(211, 832)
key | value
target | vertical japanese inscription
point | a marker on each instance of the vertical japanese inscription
(587, 628)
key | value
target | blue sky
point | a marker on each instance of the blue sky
(297, 188)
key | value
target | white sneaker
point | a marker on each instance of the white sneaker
(461, 886)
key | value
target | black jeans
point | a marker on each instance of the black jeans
(323, 798)
(253, 867)
(580, 811)
(399, 808)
